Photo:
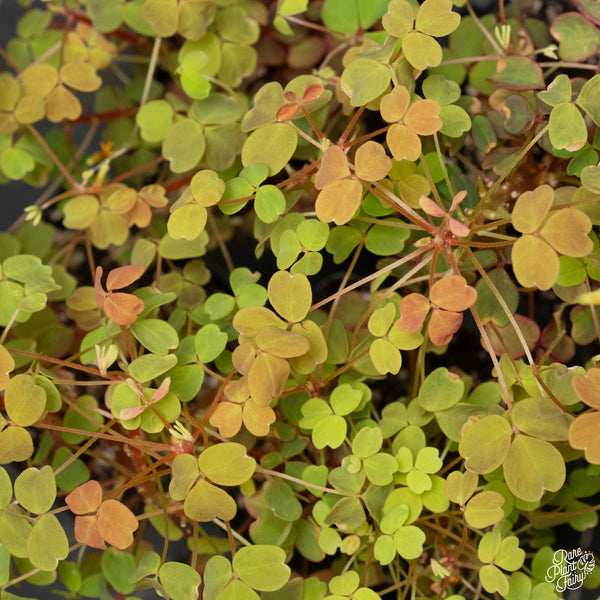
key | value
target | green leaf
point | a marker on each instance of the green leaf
(340, 15)
(541, 418)
(205, 501)
(187, 222)
(155, 335)
(25, 402)
(185, 471)
(421, 50)
(261, 567)
(484, 509)
(269, 203)
(493, 580)
(578, 38)
(518, 73)
(380, 468)
(283, 502)
(118, 567)
(16, 163)
(487, 304)
(348, 513)
(179, 580)
(238, 590)
(345, 399)
(409, 542)
(290, 295)
(440, 390)
(486, 443)
(330, 431)
(149, 366)
(184, 145)
(272, 145)
(459, 487)
(365, 79)
(227, 463)
(386, 240)
(567, 127)
(435, 17)
(385, 356)
(15, 445)
(589, 98)
(209, 342)
(535, 263)
(162, 16)
(367, 442)
(14, 532)
(47, 543)
(6, 489)
(35, 489)
(456, 121)
(216, 575)
(533, 466)
(509, 555)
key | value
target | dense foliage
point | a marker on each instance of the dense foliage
(310, 294)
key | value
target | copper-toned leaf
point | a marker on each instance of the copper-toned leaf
(413, 310)
(228, 418)
(123, 276)
(267, 377)
(85, 499)
(587, 387)
(531, 208)
(535, 263)
(403, 143)
(371, 161)
(116, 524)
(122, 308)
(583, 435)
(287, 112)
(395, 104)
(339, 201)
(567, 230)
(453, 293)
(443, 325)
(86, 532)
(312, 92)
(257, 418)
(423, 118)
(100, 294)
(334, 166)
(504, 340)
(459, 229)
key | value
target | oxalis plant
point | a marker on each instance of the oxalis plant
(308, 305)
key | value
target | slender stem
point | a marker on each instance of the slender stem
(53, 157)
(302, 482)
(484, 30)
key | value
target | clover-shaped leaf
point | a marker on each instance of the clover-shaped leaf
(485, 444)
(119, 307)
(484, 509)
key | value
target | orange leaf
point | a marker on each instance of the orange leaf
(583, 435)
(334, 166)
(228, 418)
(116, 524)
(443, 325)
(338, 201)
(393, 105)
(287, 112)
(452, 293)
(372, 163)
(123, 276)
(403, 143)
(86, 532)
(85, 499)
(587, 387)
(413, 310)
(312, 92)
(423, 117)
(458, 229)
(122, 308)
(258, 419)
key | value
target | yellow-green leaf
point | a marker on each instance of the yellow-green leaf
(290, 295)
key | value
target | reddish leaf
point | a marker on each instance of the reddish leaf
(457, 200)
(443, 325)
(452, 293)
(123, 276)
(587, 387)
(338, 201)
(312, 92)
(422, 117)
(122, 308)
(458, 229)
(583, 435)
(86, 531)
(85, 499)
(116, 524)
(430, 207)
(413, 310)
(334, 166)
(287, 112)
